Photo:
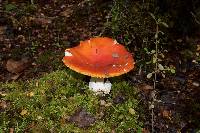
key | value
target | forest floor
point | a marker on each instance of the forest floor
(33, 38)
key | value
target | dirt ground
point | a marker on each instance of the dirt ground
(34, 36)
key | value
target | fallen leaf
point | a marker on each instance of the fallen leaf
(179, 40)
(11, 130)
(3, 104)
(166, 114)
(41, 21)
(39, 117)
(131, 111)
(67, 13)
(7, 42)
(198, 47)
(37, 84)
(3, 94)
(82, 118)
(145, 88)
(21, 39)
(119, 99)
(16, 76)
(30, 94)
(196, 83)
(2, 30)
(113, 131)
(23, 112)
(144, 130)
(121, 116)
(102, 102)
(14, 66)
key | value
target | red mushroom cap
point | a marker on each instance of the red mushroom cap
(99, 57)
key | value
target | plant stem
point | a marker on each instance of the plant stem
(155, 78)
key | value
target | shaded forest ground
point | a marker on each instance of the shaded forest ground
(34, 36)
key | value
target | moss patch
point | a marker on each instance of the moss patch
(46, 104)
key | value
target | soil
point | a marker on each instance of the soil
(36, 31)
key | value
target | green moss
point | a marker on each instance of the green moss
(46, 104)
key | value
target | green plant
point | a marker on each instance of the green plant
(10, 7)
(157, 57)
(157, 54)
(130, 24)
(33, 47)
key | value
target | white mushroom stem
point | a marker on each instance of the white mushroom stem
(98, 85)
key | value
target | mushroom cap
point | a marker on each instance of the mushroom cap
(100, 57)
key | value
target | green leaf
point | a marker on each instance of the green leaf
(159, 20)
(164, 24)
(154, 59)
(162, 55)
(156, 35)
(149, 75)
(153, 51)
(163, 75)
(153, 16)
(10, 7)
(146, 50)
(161, 32)
(160, 67)
(139, 130)
(149, 62)
(173, 70)
(131, 111)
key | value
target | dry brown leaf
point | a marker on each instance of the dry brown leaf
(2, 30)
(82, 118)
(67, 13)
(11, 130)
(3, 104)
(21, 39)
(166, 114)
(16, 76)
(41, 21)
(145, 88)
(198, 47)
(23, 112)
(144, 130)
(14, 66)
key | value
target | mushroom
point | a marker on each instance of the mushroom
(100, 58)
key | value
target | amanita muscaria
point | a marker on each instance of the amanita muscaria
(100, 58)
